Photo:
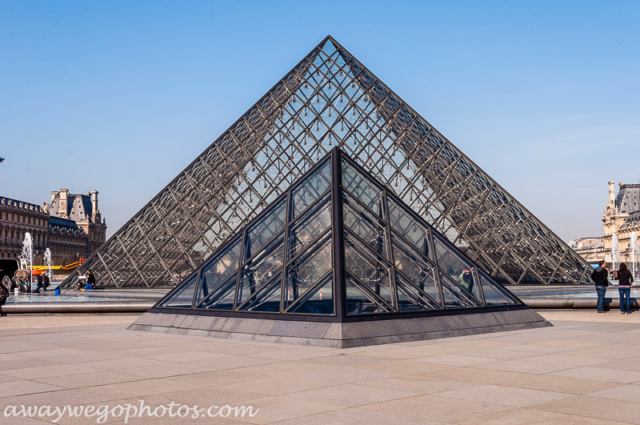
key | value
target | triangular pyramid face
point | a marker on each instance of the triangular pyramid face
(338, 244)
(330, 99)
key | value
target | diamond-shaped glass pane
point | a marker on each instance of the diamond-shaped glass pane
(360, 300)
(411, 298)
(406, 226)
(308, 228)
(363, 224)
(265, 229)
(415, 267)
(368, 268)
(221, 297)
(260, 269)
(308, 269)
(266, 299)
(462, 271)
(311, 189)
(217, 270)
(365, 191)
(456, 296)
(317, 300)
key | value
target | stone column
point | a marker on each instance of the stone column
(63, 203)
(612, 193)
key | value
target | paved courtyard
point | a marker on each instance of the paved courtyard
(585, 370)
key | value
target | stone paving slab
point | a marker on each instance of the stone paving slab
(584, 370)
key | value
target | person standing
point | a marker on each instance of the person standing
(4, 294)
(625, 279)
(91, 281)
(600, 277)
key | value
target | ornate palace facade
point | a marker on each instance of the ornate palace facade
(621, 218)
(71, 226)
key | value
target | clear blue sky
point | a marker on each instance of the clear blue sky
(120, 96)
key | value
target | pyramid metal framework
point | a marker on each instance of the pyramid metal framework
(330, 99)
(337, 244)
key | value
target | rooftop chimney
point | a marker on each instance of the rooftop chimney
(94, 204)
(62, 212)
(612, 193)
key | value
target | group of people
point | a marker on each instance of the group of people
(625, 280)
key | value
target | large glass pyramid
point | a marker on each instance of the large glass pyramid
(336, 243)
(330, 99)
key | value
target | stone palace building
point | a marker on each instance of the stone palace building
(70, 225)
(621, 217)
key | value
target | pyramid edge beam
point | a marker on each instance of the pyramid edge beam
(308, 59)
(567, 249)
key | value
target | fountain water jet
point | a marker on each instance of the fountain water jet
(48, 263)
(633, 254)
(615, 251)
(26, 258)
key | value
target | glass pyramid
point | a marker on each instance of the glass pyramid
(336, 243)
(330, 99)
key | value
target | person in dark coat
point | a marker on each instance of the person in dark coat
(625, 279)
(91, 280)
(600, 277)
(4, 294)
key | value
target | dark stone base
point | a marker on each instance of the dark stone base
(341, 335)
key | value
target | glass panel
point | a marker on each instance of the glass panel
(221, 298)
(218, 270)
(371, 271)
(411, 298)
(461, 271)
(456, 296)
(260, 269)
(266, 299)
(265, 229)
(365, 226)
(311, 189)
(408, 227)
(366, 192)
(307, 229)
(317, 300)
(184, 297)
(494, 294)
(308, 270)
(361, 301)
(415, 267)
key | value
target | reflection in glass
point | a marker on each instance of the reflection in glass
(415, 267)
(221, 298)
(317, 300)
(264, 229)
(455, 296)
(493, 294)
(368, 269)
(307, 229)
(307, 192)
(308, 269)
(266, 299)
(461, 271)
(366, 192)
(402, 222)
(411, 298)
(184, 296)
(366, 226)
(260, 269)
(218, 269)
(360, 300)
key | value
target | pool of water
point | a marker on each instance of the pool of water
(46, 298)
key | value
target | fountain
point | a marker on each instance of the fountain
(615, 251)
(633, 254)
(26, 258)
(48, 263)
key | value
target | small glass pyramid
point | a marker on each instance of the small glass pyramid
(336, 244)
